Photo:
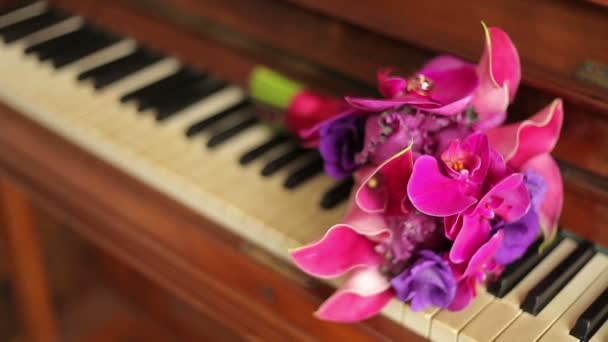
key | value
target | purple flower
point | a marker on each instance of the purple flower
(408, 235)
(340, 139)
(519, 235)
(428, 281)
(390, 132)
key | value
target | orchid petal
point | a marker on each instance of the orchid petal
(551, 206)
(509, 199)
(444, 63)
(390, 87)
(473, 234)
(521, 141)
(465, 292)
(380, 105)
(484, 254)
(340, 250)
(454, 84)
(384, 190)
(362, 295)
(433, 193)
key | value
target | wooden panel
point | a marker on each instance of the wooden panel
(29, 278)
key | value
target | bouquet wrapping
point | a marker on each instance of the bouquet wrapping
(446, 195)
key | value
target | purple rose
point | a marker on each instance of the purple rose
(340, 140)
(519, 235)
(428, 281)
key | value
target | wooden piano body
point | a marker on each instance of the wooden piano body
(235, 285)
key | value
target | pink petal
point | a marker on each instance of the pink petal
(483, 257)
(502, 60)
(454, 85)
(452, 225)
(519, 142)
(433, 193)
(473, 234)
(500, 73)
(551, 207)
(444, 62)
(340, 250)
(373, 226)
(465, 292)
(379, 105)
(389, 193)
(390, 86)
(362, 295)
(509, 199)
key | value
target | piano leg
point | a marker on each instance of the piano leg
(28, 276)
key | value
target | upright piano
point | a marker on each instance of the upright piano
(130, 120)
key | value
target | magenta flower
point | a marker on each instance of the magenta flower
(526, 146)
(383, 189)
(444, 86)
(499, 74)
(454, 185)
(348, 249)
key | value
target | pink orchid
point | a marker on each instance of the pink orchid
(444, 86)
(499, 73)
(474, 272)
(454, 186)
(348, 248)
(526, 146)
(383, 190)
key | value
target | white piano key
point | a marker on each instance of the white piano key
(59, 29)
(601, 335)
(23, 13)
(530, 328)
(500, 313)
(446, 325)
(560, 331)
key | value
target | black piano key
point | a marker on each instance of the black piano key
(46, 49)
(550, 286)
(116, 70)
(337, 194)
(260, 150)
(283, 160)
(157, 89)
(188, 97)
(198, 127)
(304, 173)
(97, 43)
(26, 27)
(16, 5)
(231, 132)
(184, 89)
(516, 271)
(592, 319)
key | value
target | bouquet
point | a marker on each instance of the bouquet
(445, 194)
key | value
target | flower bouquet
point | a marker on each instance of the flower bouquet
(445, 195)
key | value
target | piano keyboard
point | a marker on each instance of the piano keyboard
(196, 138)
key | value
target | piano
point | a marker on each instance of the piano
(130, 120)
